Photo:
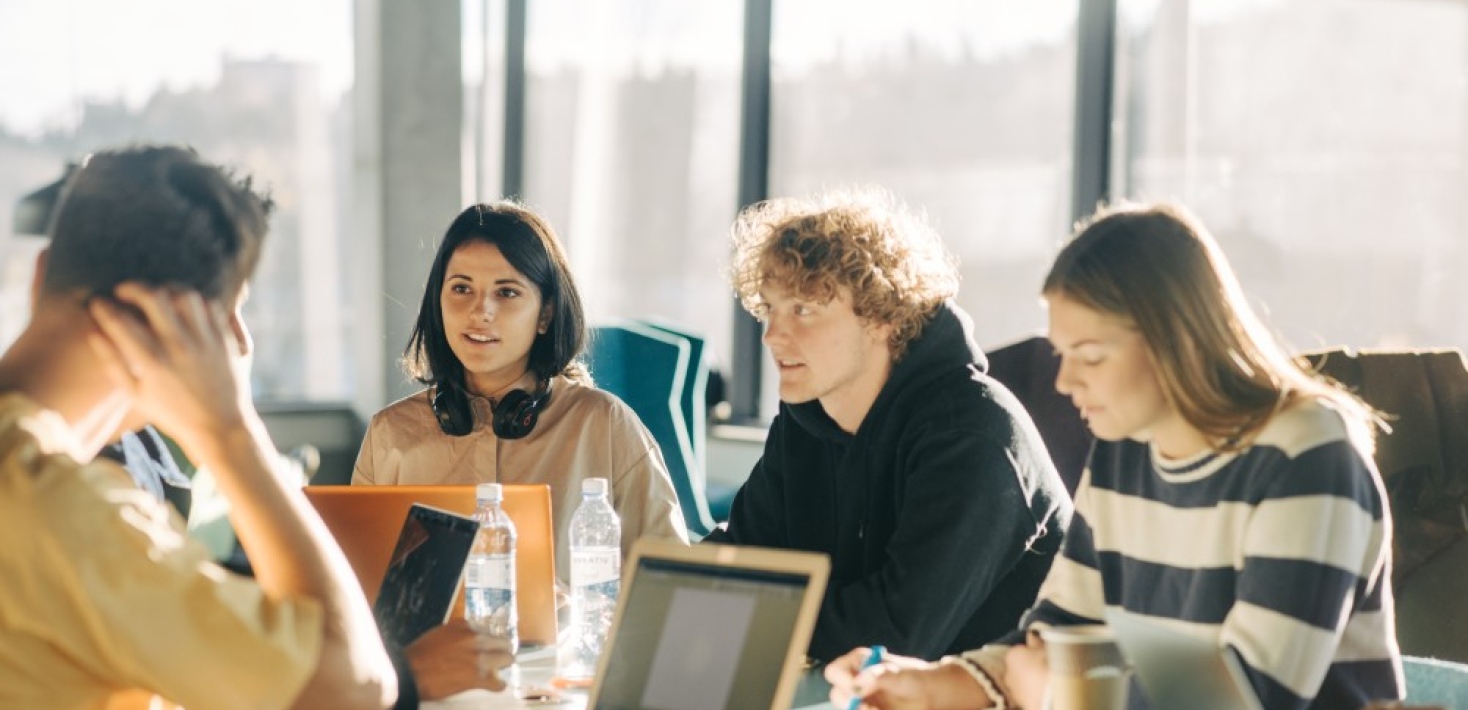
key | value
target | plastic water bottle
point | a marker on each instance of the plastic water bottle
(596, 577)
(489, 581)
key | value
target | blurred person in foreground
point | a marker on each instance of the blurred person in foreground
(136, 320)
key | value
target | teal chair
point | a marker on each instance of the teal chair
(1431, 681)
(695, 386)
(647, 368)
(694, 403)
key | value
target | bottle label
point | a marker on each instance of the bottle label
(491, 573)
(595, 565)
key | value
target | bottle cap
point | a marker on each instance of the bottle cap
(489, 491)
(594, 486)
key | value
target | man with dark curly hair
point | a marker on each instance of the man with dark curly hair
(893, 452)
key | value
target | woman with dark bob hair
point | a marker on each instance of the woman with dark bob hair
(497, 343)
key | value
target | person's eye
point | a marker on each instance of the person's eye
(508, 292)
(802, 309)
(761, 312)
(461, 288)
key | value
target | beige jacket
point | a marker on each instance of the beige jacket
(582, 432)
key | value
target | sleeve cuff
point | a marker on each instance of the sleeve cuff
(980, 676)
(407, 687)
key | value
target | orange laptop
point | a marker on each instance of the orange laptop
(366, 521)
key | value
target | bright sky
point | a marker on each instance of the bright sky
(814, 30)
(56, 52)
(707, 33)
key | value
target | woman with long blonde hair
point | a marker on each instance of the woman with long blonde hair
(1231, 494)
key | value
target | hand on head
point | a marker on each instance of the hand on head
(177, 354)
(449, 660)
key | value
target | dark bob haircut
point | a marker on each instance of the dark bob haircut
(531, 246)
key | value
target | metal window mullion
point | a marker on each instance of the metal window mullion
(516, 12)
(754, 179)
(1095, 73)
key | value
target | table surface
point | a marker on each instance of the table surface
(533, 671)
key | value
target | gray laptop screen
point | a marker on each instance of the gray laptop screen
(701, 637)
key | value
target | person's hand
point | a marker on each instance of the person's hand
(1026, 672)
(452, 658)
(177, 355)
(897, 683)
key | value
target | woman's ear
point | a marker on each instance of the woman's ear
(545, 320)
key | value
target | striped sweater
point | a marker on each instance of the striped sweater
(1282, 551)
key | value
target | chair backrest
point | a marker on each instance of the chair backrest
(647, 368)
(1424, 464)
(695, 389)
(1028, 368)
(1432, 681)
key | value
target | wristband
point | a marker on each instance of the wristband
(980, 676)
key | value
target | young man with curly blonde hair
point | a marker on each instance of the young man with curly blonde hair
(893, 452)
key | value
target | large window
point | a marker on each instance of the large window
(1323, 141)
(963, 108)
(631, 149)
(259, 85)
(1324, 144)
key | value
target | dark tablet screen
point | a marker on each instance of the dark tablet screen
(424, 573)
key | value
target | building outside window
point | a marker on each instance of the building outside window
(962, 108)
(1324, 143)
(262, 86)
(631, 150)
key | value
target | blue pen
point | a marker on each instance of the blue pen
(872, 660)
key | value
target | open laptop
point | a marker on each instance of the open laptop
(709, 627)
(366, 520)
(1178, 671)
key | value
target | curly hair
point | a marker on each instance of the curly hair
(890, 259)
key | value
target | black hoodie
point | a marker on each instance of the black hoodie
(941, 514)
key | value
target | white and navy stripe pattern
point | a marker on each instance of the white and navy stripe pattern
(1282, 551)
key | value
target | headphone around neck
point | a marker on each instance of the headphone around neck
(514, 415)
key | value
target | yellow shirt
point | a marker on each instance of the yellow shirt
(101, 591)
(582, 432)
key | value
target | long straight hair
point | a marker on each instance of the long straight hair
(530, 245)
(1156, 267)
